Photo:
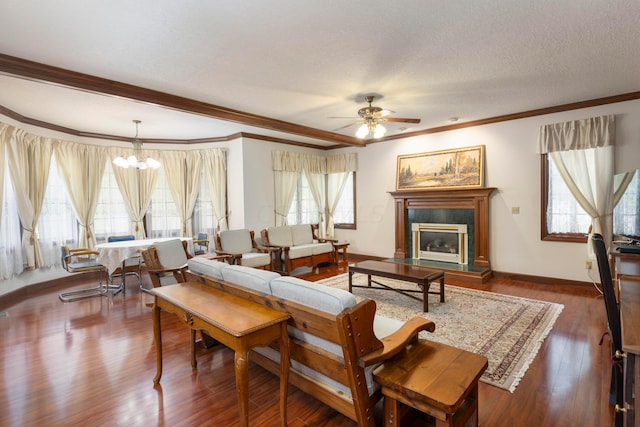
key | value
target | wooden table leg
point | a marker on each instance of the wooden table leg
(194, 362)
(350, 280)
(442, 289)
(391, 412)
(425, 295)
(157, 337)
(284, 372)
(242, 384)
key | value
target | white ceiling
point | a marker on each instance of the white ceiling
(303, 62)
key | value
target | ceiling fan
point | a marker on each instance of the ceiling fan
(371, 117)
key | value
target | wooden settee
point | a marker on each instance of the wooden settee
(341, 379)
(299, 247)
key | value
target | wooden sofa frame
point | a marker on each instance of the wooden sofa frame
(352, 330)
(287, 265)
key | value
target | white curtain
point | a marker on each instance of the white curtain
(315, 169)
(338, 170)
(29, 161)
(286, 169)
(583, 151)
(136, 186)
(183, 170)
(215, 167)
(81, 167)
(10, 243)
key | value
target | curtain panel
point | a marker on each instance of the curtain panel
(81, 167)
(215, 168)
(29, 163)
(183, 170)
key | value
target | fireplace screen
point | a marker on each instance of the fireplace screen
(440, 242)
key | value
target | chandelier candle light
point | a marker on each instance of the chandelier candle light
(133, 160)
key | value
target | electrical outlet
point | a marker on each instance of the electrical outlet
(515, 210)
(588, 264)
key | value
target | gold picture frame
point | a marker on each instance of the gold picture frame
(446, 169)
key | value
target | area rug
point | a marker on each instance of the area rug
(507, 330)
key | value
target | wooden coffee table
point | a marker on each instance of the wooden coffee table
(421, 276)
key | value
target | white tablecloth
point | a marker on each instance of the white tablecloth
(114, 253)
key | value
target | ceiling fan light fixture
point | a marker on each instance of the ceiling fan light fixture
(132, 160)
(379, 131)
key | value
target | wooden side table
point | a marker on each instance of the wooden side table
(434, 378)
(341, 247)
(237, 323)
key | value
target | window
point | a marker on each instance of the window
(111, 217)
(10, 232)
(304, 209)
(203, 219)
(626, 214)
(563, 219)
(162, 218)
(345, 215)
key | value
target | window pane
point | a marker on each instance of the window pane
(57, 224)
(304, 209)
(345, 212)
(111, 217)
(162, 218)
(203, 219)
(10, 239)
(564, 214)
(626, 219)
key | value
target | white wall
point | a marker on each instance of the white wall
(513, 167)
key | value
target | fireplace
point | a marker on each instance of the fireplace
(473, 200)
(440, 242)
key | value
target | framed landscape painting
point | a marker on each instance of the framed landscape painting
(457, 168)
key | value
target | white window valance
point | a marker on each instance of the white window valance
(577, 134)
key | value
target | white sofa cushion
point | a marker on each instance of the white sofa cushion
(280, 236)
(250, 278)
(236, 241)
(301, 234)
(330, 300)
(322, 248)
(208, 267)
(299, 251)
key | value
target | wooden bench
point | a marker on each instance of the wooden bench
(351, 330)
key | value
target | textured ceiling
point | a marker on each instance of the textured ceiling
(305, 62)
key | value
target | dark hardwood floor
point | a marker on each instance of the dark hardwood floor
(92, 362)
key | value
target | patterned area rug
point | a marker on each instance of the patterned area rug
(507, 330)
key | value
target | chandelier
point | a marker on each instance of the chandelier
(134, 159)
(372, 128)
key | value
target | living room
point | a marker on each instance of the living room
(512, 166)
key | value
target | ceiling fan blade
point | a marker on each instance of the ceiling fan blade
(345, 126)
(401, 120)
(383, 113)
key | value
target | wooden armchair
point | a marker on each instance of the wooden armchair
(166, 262)
(242, 249)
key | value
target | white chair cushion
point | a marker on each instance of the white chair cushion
(250, 278)
(280, 236)
(255, 259)
(236, 241)
(171, 253)
(301, 234)
(208, 267)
